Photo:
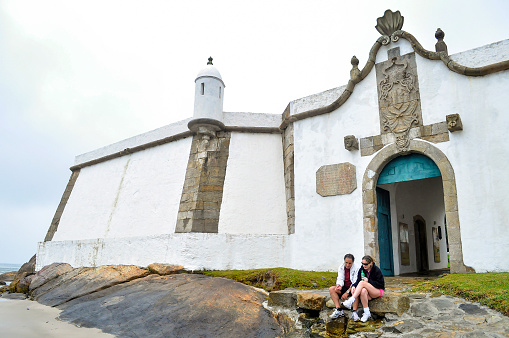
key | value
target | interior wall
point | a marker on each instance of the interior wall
(408, 199)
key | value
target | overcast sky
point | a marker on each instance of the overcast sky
(78, 75)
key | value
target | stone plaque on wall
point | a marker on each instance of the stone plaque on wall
(336, 179)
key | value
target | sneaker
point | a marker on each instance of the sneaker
(365, 317)
(355, 316)
(337, 313)
(348, 303)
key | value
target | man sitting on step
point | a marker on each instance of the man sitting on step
(347, 275)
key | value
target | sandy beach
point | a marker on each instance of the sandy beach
(26, 318)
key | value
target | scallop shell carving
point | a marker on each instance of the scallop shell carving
(389, 23)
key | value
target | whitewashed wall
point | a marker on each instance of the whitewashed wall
(194, 251)
(133, 195)
(254, 200)
(479, 155)
(326, 228)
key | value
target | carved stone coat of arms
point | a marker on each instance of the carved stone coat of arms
(398, 98)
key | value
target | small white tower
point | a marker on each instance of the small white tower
(208, 101)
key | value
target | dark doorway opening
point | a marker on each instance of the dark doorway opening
(421, 244)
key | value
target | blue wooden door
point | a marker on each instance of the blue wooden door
(384, 231)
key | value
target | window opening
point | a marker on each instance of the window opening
(202, 88)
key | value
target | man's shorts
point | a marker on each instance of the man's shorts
(344, 288)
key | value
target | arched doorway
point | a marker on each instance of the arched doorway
(409, 191)
(370, 221)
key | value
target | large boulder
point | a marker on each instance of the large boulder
(8, 276)
(336, 327)
(49, 272)
(28, 267)
(165, 269)
(310, 301)
(390, 303)
(83, 281)
(18, 285)
(24, 284)
(283, 298)
(180, 305)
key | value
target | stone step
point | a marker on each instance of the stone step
(396, 303)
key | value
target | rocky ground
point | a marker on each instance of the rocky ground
(161, 301)
(426, 315)
(164, 301)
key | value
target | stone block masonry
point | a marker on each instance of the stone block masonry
(61, 206)
(202, 194)
(288, 153)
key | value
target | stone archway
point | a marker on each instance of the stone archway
(370, 222)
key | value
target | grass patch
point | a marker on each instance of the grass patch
(279, 278)
(490, 289)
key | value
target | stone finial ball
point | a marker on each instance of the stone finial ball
(439, 34)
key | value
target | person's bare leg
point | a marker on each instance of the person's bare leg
(372, 291)
(355, 305)
(334, 296)
(359, 288)
(364, 297)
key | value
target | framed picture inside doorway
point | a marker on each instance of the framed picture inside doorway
(436, 244)
(404, 246)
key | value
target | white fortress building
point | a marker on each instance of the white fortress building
(407, 162)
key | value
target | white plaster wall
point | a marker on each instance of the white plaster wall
(254, 200)
(194, 251)
(326, 228)
(479, 155)
(134, 195)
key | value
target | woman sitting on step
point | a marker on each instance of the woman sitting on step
(370, 284)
